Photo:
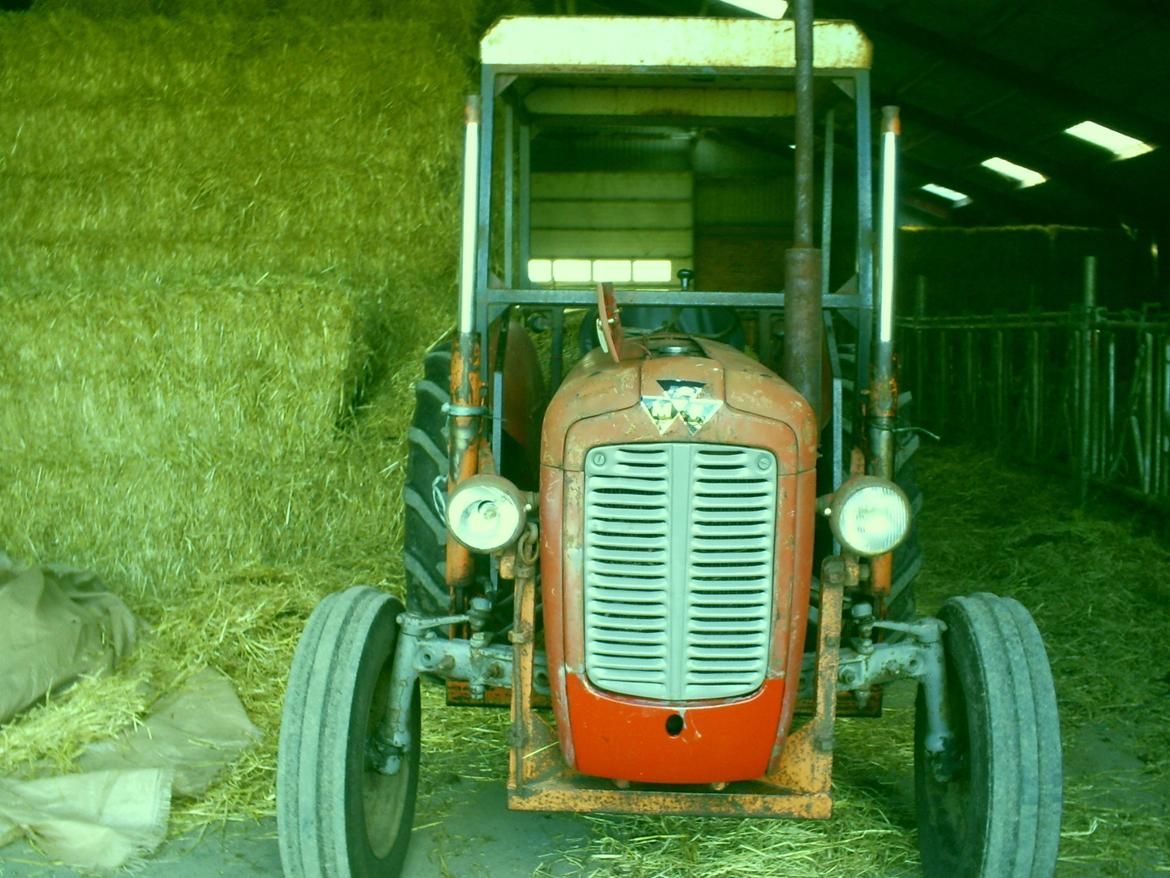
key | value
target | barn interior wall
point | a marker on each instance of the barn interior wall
(1015, 269)
(613, 216)
(743, 214)
(697, 198)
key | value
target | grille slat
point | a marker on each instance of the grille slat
(679, 552)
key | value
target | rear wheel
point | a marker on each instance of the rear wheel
(337, 816)
(424, 547)
(907, 560)
(990, 806)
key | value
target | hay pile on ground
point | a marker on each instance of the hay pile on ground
(193, 456)
(1097, 579)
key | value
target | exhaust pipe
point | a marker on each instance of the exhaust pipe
(803, 330)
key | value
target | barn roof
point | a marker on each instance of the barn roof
(1004, 79)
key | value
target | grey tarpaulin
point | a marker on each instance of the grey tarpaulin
(55, 625)
(195, 731)
(98, 820)
(117, 808)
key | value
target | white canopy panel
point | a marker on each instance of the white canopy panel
(613, 43)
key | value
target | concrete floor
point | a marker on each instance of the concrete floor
(505, 844)
(478, 837)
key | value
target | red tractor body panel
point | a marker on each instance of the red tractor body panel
(631, 739)
(601, 404)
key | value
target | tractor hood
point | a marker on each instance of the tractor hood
(677, 388)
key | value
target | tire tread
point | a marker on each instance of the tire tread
(425, 534)
(313, 825)
(995, 648)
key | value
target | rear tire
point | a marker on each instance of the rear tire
(907, 561)
(990, 808)
(336, 816)
(424, 547)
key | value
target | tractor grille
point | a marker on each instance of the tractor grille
(679, 547)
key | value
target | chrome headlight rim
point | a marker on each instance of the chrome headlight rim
(843, 512)
(468, 519)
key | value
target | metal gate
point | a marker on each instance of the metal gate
(1085, 390)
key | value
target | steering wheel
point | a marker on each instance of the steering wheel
(610, 334)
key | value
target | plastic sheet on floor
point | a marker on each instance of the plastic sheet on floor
(195, 732)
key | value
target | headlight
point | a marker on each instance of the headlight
(486, 513)
(869, 516)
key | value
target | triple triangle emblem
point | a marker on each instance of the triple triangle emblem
(681, 399)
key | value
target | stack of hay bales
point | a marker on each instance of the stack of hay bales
(218, 232)
(227, 238)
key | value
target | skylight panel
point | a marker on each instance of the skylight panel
(1024, 176)
(1121, 145)
(954, 196)
(650, 271)
(572, 270)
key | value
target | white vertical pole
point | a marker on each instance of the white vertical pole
(470, 220)
(889, 224)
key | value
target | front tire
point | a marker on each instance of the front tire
(336, 816)
(990, 807)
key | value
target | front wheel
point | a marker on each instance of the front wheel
(989, 807)
(337, 816)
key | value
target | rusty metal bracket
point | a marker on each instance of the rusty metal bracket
(920, 657)
(476, 662)
(842, 571)
(828, 655)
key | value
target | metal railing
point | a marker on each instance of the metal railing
(1084, 390)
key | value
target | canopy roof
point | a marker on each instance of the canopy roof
(611, 43)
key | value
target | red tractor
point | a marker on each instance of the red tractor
(678, 569)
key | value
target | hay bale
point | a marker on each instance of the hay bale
(161, 150)
(187, 160)
(155, 435)
(230, 238)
